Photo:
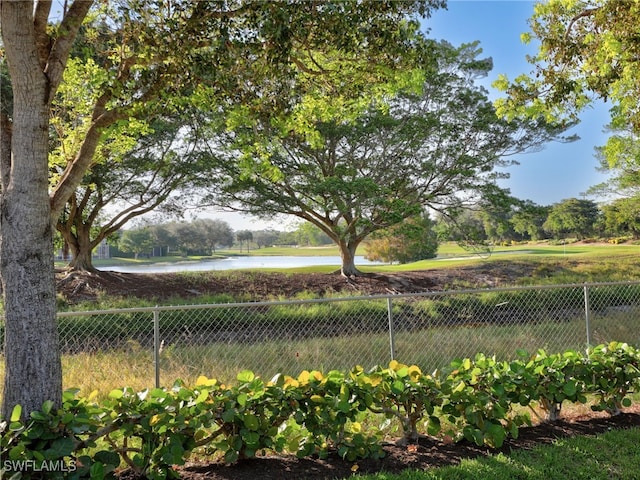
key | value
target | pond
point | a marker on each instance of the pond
(235, 263)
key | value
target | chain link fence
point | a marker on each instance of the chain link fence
(142, 347)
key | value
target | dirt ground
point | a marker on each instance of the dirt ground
(256, 286)
(252, 286)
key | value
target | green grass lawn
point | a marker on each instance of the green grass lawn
(612, 455)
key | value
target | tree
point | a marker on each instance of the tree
(214, 233)
(496, 222)
(201, 236)
(136, 241)
(265, 238)
(161, 170)
(410, 241)
(528, 218)
(249, 43)
(163, 238)
(588, 51)
(466, 228)
(572, 216)
(433, 144)
(622, 217)
(36, 62)
(309, 234)
(244, 236)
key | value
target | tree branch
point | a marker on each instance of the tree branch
(75, 170)
(68, 29)
(43, 41)
(585, 13)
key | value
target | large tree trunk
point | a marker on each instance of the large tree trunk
(81, 248)
(33, 371)
(82, 259)
(348, 255)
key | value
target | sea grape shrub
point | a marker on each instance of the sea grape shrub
(244, 419)
(557, 378)
(477, 398)
(330, 412)
(313, 414)
(613, 372)
(402, 392)
(55, 441)
(154, 429)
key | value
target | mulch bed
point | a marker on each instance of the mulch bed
(427, 453)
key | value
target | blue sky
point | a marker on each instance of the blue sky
(559, 171)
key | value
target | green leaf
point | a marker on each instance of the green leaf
(433, 426)
(251, 438)
(570, 388)
(229, 415)
(97, 470)
(47, 406)
(497, 434)
(111, 459)
(246, 376)
(17, 452)
(16, 413)
(61, 447)
(204, 394)
(251, 422)
(116, 394)
(397, 387)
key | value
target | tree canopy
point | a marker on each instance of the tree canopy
(434, 143)
(572, 216)
(161, 171)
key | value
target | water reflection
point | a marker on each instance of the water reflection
(236, 263)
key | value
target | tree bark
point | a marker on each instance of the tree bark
(33, 371)
(82, 252)
(348, 255)
(77, 238)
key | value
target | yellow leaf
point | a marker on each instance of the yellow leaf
(304, 377)
(203, 381)
(290, 382)
(460, 387)
(355, 467)
(155, 419)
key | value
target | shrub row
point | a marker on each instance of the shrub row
(152, 431)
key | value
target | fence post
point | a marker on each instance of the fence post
(156, 344)
(392, 339)
(587, 315)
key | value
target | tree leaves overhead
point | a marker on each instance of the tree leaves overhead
(588, 50)
(152, 56)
